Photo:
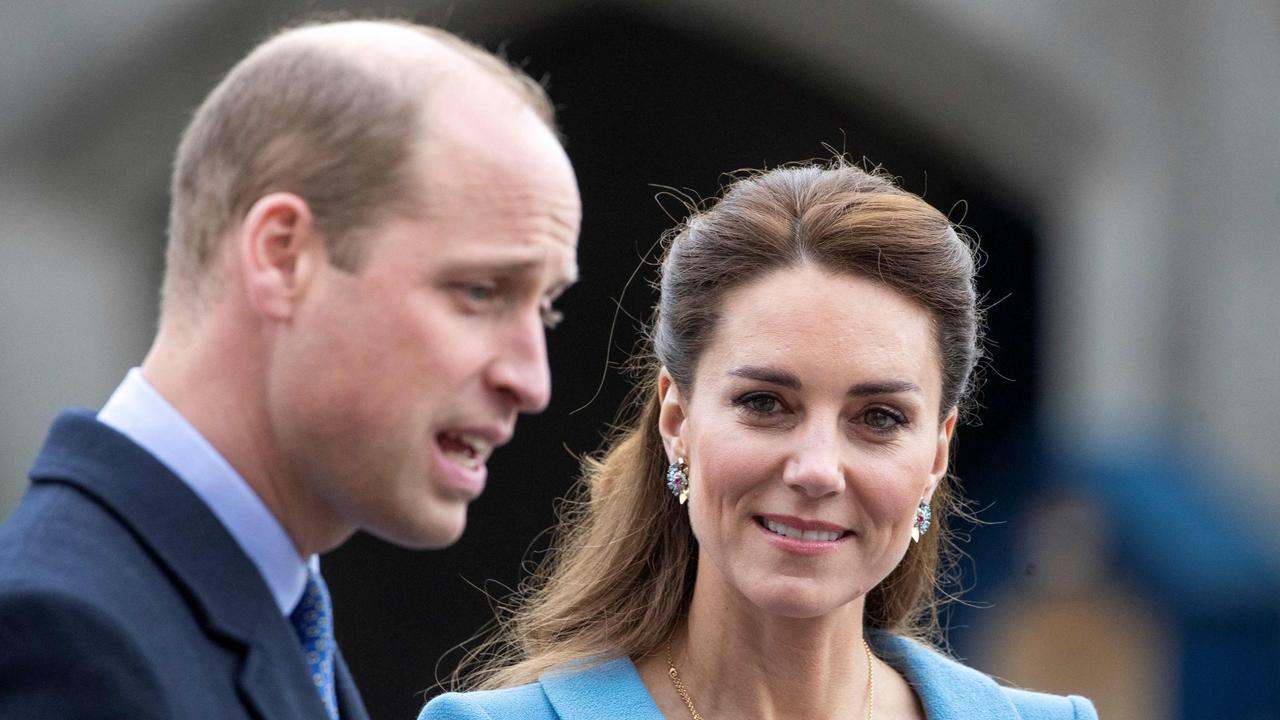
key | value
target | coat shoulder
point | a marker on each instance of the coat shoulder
(599, 688)
(950, 689)
(1043, 706)
(523, 701)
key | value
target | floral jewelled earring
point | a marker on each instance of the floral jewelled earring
(678, 479)
(924, 516)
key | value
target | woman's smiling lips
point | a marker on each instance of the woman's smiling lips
(802, 536)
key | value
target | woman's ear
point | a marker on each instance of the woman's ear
(942, 452)
(671, 416)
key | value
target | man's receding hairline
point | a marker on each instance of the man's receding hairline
(440, 56)
(357, 51)
(425, 66)
(335, 110)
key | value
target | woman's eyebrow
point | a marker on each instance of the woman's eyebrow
(883, 387)
(773, 376)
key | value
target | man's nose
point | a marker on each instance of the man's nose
(814, 467)
(521, 369)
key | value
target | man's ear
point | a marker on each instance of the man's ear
(942, 453)
(279, 253)
(671, 416)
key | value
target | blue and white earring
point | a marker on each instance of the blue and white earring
(678, 480)
(924, 516)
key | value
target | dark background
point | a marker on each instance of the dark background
(643, 107)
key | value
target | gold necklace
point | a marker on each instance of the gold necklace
(683, 691)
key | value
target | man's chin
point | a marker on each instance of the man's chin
(432, 531)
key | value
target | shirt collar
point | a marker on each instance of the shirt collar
(139, 412)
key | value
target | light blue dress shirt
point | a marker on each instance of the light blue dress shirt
(138, 411)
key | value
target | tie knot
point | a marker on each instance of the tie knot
(313, 621)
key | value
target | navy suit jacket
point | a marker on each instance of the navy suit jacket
(122, 596)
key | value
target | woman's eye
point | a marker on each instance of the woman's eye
(761, 404)
(882, 419)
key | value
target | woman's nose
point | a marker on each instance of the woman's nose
(814, 467)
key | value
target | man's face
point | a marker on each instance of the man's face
(392, 385)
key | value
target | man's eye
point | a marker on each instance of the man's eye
(551, 317)
(479, 293)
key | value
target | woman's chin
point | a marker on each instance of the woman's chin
(797, 600)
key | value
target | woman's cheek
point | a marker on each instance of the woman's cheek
(888, 491)
(732, 465)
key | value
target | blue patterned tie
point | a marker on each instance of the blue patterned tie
(313, 619)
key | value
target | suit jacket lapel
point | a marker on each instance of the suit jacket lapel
(275, 682)
(350, 706)
(612, 690)
(224, 587)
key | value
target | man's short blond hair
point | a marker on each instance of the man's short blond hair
(306, 118)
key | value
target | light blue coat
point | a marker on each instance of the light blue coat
(614, 691)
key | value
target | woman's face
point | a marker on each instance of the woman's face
(811, 433)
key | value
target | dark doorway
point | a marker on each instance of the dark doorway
(642, 104)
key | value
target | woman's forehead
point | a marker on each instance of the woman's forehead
(811, 321)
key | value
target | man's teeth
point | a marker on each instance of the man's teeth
(466, 461)
(806, 535)
(469, 451)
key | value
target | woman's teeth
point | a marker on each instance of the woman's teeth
(805, 535)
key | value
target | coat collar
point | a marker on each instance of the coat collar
(611, 690)
(946, 688)
(224, 588)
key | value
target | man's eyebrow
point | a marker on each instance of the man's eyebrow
(770, 375)
(500, 267)
(509, 267)
(570, 279)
